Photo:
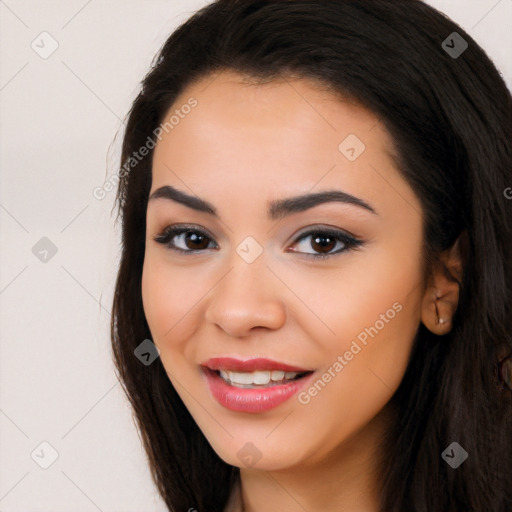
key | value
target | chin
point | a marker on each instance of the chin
(260, 454)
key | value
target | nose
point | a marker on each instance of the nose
(247, 298)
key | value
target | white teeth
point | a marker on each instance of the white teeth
(260, 377)
(242, 378)
(277, 375)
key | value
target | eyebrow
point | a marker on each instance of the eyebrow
(277, 209)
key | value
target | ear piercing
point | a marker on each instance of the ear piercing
(440, 320)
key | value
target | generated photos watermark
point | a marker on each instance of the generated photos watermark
(305, 397)
(137, 156)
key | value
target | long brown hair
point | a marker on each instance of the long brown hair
(450, 117)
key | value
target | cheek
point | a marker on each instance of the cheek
(378, 295)
(169, 300)
(364, 366)
(376, 319)
(375, 295)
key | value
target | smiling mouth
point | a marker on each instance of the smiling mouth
(259, 378)
(255, 385)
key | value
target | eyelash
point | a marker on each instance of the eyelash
(349, 242)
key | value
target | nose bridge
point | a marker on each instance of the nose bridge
(247, 296)
(248, 280)
(249, 273)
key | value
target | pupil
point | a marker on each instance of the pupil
(194, 238)
(329, 245)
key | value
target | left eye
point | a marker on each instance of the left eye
(323, 241)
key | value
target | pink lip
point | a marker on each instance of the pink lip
(251, 400)
(249, 365)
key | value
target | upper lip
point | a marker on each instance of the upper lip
(248, 365)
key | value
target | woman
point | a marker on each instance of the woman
(312, 310)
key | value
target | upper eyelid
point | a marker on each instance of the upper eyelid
(180, 229)
(307, 231)
(303, 231)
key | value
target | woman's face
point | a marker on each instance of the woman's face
(249, 285)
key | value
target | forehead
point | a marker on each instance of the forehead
(258, 138)
(299, 111)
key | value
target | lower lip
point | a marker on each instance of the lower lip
(251, 400)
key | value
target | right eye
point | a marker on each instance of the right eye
(191, 239)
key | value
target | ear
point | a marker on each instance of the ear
(441, 296)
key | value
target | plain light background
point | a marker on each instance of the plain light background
(59, 116)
